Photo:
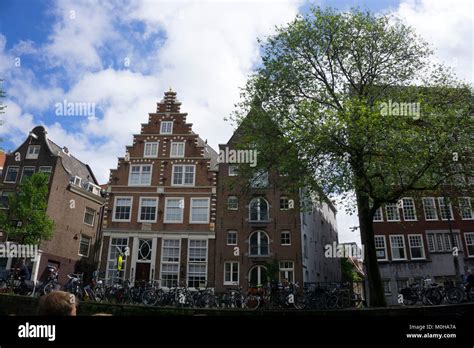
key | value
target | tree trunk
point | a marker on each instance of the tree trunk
(376, 291)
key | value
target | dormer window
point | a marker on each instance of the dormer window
(33, 152)
(166, 127)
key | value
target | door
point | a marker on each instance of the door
(142, 272)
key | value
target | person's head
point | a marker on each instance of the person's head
(58, 303)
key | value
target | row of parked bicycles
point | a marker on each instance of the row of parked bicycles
(428, 293)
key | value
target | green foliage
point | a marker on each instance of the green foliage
(348, 271)
(29, 205)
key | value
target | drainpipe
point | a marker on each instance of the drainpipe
(451, 234)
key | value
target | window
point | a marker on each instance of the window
(431, 242)
(151, 150)
(257, 275)
(398, 247)
(381, 248)
(89, 216)
(117, 246)
(166, 127)
(417, 250)
(84, 246)
(4, 198)
(465, 208)
(27, 173)
(233, 169)
(197, 263)
(392, 212)
(386, 286)
(402, 284)
(183, 175)
(447, 242)
(409, 212)
(305, 246)
(177, 149)
(258, 209)
(33, 152)
(147, 210)
(378, 216)
(170, 262)
(174, 210)
(232, 203)
(231, 273)
(145, 247)
(445, 208)
(439, 242)
(284, 203)
(259, 244)
(45, 169)
(199, 211)
(231, 237)
(259, 180)
(123, 208)
(140, 175)
(287, 271)
(469, 237)
(285, 238)
(429, 206)
(12, 174)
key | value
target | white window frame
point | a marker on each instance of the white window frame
(170, 262)
(113, 261)
(433, 200)
(166, 123)
(177, 144)
(397, 210)
(88, 247)
(156, 199)
(259, 211)
(115, 209)
(441, 204)
(378, 211)
(93, 217)
(469, 236)
(412, 206)
(191, 210)
(17, 175)
(404, 247)
(233, 172)
(236, 237)
(181, 205)
(32, 155)
(151, 143)
(431, 237)
(232, 265)
(379, 248)
(198, 263)
(281, 237)
(23, 171)
(237, 199)
(286, 270)
(469, 205)
(184, 174)
(49, 171)
(140, 175)
(422, 246)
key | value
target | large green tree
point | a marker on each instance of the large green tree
(357, 98)
(26, 220)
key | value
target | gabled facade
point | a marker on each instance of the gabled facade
(161, 204)
(75, 204)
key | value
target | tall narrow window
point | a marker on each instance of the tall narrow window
(231, 273)
(287, 271)
(392, 212)
(445, 208)
(118, 247)
(259, 244)
(84, 245)
(89, 216)
(416, 246)
(469, 237)
(147, 209)
(170, 262)
(12, 174)
(231, 237)
(258, 209)
(409, 212)
(429, 206)
(197, 264)
(381, 248)
(378, 216)
(398, 247)
(465, 207)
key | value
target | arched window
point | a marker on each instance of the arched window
(258, 209)
(259, 244)
(257, 275)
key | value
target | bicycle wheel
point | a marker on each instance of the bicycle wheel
(150, 297)
(300, 301)
(332, 302)
(454, 295)
(433, 297)
(251, 302)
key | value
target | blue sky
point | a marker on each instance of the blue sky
(77, 51)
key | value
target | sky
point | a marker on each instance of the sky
(121, 56)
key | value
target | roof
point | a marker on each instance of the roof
(209, 152)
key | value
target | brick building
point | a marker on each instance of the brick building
(161, 204)
(75, 204)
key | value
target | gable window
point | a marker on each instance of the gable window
(465, 207)
(378, 215)
(12, 174)
(397, 243)
(122, 208)
(177, 149)
(381, 248)
(429, 206)
(469, 237)
(151, 150)
(258, 209)
(393, 214)
(27, 173)
(166, 127)
(259, 244)
(409, 213)
(147, 210)
(174, 210)
(33, 152)
(233, 170)
(232, 203)
(284, 203)
(231, 273)
(199, 211)
(197, 263)
(89, 216)
(285, 238)
(183, 175)
(231, 237)
(140, 175)
(84, 245)
(416, 246)
(445, 208)
(170, 254)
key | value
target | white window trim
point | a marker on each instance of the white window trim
(115, 207)
(169, 262)
(197, 262)
(157, 149)
(23, 171)
(141, 172)
(236, 238)
(43, 171)
(469, 200)
(422, 247)
(28, 156)
(450, 205)
(182, 182)
(398, 210)
(140, 209)
(165, 220)
(228, 170)
(284, 269)
(88, 247)
(385, 247)
(467, 245)
(414, 209)
(259, 210)
(231, 269)
(17, 175)
(171, 149)
(93, 219)
(191, 210)
(237, 203)
(161, 127)
(434, 205)
(288, 232)
(381, 215)
(428, 235)
(404, 247)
